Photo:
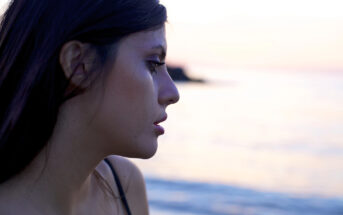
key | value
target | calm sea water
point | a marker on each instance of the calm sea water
(168, 197)
(251, 142)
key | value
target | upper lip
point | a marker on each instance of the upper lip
(164, 118)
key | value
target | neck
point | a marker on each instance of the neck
(60, 178)
(57, 184)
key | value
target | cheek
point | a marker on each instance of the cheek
(132, 91)
(129, 105)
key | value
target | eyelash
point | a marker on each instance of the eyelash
(152, 65)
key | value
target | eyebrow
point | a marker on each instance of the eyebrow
(162, 49)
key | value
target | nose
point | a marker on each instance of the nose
(168, 93)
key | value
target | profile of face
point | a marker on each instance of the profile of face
(133, 96)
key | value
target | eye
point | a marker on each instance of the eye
(153, 65)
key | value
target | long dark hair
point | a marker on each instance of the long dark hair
(32, 83)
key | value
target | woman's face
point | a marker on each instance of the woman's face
(136, 93)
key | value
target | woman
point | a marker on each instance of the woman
(82, 82)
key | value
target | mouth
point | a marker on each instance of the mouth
(164, 118)
(159, 130)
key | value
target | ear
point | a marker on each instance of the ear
(73, 62)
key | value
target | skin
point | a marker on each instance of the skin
(114, 117)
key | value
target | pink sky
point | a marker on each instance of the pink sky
(249, 33)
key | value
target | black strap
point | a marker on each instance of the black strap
(120, 188)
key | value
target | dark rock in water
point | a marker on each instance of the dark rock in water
(179, 74)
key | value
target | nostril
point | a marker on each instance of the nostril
(169, 97)
(175, 97)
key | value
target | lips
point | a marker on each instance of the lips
(164, 118)
(159, 130)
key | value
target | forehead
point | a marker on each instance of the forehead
(146, 39)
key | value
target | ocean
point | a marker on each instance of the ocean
(251, 142)
(167, 197)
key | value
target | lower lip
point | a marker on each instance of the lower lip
(159, 129)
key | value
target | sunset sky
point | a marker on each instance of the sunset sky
(305, 34)
(300, 34)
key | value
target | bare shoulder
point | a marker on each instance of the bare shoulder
(133, 183)
(127, 171)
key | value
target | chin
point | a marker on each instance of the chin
(148, 153)
(145, 155)
(145, 152)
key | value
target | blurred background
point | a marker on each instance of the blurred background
(263, 132)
